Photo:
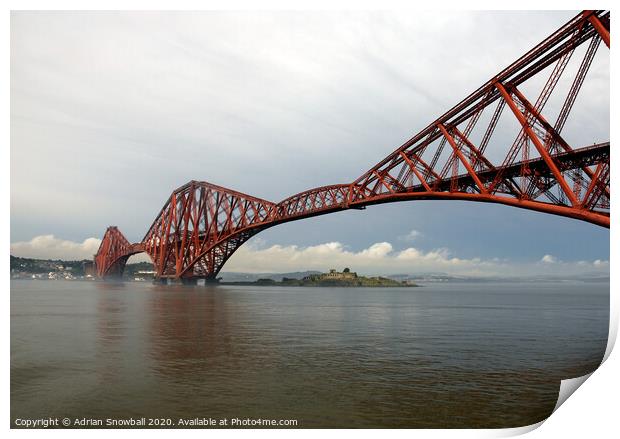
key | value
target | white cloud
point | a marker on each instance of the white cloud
(50, 247)
(411, 236)
(379, 258)
(383, 258)
(549, 259)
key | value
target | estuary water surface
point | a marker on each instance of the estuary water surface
(445, 355)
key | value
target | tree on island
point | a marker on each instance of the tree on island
(346, 270)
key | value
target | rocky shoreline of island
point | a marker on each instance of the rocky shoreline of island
(345, 278)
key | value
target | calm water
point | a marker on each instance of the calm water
(449, 355)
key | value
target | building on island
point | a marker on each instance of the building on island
(333, 274)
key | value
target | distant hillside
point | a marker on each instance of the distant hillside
(40, 266)
(35, 266)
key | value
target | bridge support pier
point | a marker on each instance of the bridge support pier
(176, 281)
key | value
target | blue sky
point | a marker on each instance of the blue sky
(111, 111)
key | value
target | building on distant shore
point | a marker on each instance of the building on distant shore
(333, 274)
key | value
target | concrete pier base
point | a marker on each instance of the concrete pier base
(182, 281)
(185, 281)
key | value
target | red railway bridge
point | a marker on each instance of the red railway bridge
(201, 224)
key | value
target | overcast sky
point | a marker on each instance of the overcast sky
(112, 111)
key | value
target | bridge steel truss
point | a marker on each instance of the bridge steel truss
(201, 225)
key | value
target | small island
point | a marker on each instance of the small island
(345, 278)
